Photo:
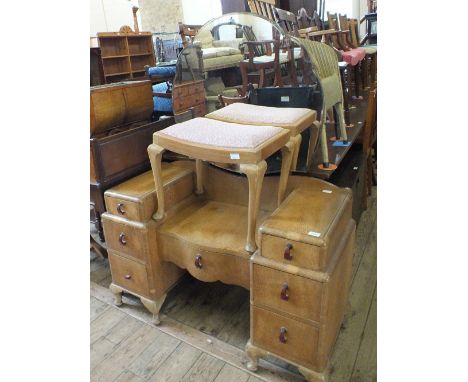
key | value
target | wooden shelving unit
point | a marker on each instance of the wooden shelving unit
(124, 55)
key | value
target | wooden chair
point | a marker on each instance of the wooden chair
(225, 100)
(325, 67)
(188, 32)
(264, 8)
(261, 63)
(353, 57)
(371, 52)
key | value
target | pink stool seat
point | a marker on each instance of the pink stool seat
(354, 56)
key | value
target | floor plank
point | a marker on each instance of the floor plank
(180, 362)
(365, 368)
(154, 355)
(361, 294)
(124, 328)
(100, 350)
(128, 376)
(96, 307)
(205, 369)
(123, 355)
(231, 374)
(105, 322)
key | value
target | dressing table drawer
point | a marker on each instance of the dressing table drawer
(285, 292)
(128, 274)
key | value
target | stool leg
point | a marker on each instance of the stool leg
(287, 152)
(365, 72)
(373, 69)
(255, 174)
(199, 173)
(297, 145)
(155, 153)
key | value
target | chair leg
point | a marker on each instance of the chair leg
(365, 72)
(341, 120)
(255, 174)
(357, 76)
(345, 97)
(261, 81)
(324, 145)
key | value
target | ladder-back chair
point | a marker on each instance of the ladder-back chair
(264, 8)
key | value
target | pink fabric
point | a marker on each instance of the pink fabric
(221, 134)
(354, 56)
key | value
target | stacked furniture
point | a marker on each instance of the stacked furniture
(121, 129)
(188, 94)
(124, 55)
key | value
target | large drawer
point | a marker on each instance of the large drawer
(203, 264)
(129, 274)
(127, 238)
(286, 292)
(298, 344)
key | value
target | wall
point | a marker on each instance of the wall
(110, 15)
(160, 15)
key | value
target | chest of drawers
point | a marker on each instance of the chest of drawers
(187, 94)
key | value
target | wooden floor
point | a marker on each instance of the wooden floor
(206, 325)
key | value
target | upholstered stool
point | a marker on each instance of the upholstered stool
(215, 141)
(295, 120)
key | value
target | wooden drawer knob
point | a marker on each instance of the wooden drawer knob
(287, 252)
(198, 261)
(128, 277)
(120, 209)
(284, 292)
(122, 239)
(282, 336)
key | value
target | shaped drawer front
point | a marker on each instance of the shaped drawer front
(285, 337)
(125, 208)
(286, 292)
(125, 238)
(129, 274)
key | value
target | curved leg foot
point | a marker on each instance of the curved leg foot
(253, 354)
(313, 376)
(154, 307)
(117, 291)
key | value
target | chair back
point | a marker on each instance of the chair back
(264, 8)
(187, 33)
(354, 30)
(287, 21)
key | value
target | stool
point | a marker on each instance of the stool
(215, 141)
(295, 120)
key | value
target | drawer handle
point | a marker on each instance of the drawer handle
(128, 277)
(120, 209)
(284, 292)
(287, 252)
(122, 239)
(282, 336)
(198, 261)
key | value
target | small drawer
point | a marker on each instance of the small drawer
(125, 238)
(294, 252)
(128, 274)
(125, 208)
(180, 91)
(286, 292)
(285, 337)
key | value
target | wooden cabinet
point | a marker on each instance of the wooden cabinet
(187, 94)
(124, 55)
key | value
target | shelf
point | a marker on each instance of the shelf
(116, 74)
(119, 56)
(138, 71)
(140, 54)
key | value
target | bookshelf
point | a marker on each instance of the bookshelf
(124, 55)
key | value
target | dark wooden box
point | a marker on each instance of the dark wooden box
(118, 157)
